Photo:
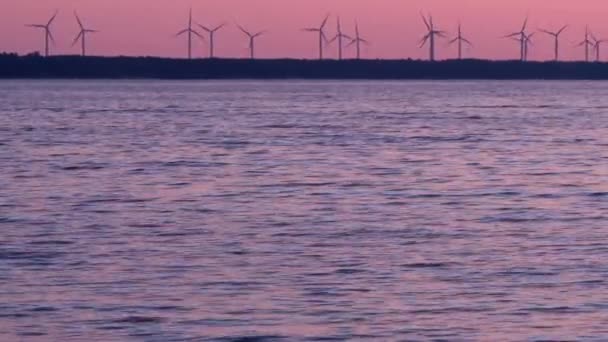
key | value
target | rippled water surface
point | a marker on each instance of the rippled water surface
(301, 211)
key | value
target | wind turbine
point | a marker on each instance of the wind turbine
(596, 46)
(556, 38)
(252, 37)
(357, 41)
(586, 43)
(339, 37)
(48, 35)
(460, 39)
(82, 35)
(211, 32)
(321, 32)
(521, 37)
(189, 31)
(527, 43)
(430, 36)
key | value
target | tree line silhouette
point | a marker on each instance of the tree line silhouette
(78, 67)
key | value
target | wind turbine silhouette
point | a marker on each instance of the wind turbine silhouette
(189, 31)
(339, 37)
(211, 32)
(460, 39)
(430, 36)
(556, 39)
(521, 37)
(322, 36)
(357, 40)
(82, 35)
(252, 37)
(48, 35)
(596, 46)
(527, 43)
(586, 43)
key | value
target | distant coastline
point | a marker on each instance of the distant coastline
(13, 66)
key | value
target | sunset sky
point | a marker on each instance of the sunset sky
(146, 27)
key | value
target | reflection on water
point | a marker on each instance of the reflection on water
(303, 211)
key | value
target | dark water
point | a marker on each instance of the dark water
(297, 211)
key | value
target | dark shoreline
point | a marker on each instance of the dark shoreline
(75, 67)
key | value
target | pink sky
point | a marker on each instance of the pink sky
(145, 27)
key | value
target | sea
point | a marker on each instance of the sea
(253, 211)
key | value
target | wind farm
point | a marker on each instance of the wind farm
(346, 62)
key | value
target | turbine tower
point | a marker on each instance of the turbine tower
(48, 35)
(189, 31)
(322, 37)
(521, 37)
(527, 43)
(252, 37)
(460, 39)
(556, 39)
(339, 36)
(586, 43)
(357, 41)
(430, 36)
(82, 35)
(211, 32)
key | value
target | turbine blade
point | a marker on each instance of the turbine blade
(512, 35)
(77, 38)
(453, 41)
(205, 28)
(347, 36)
(523, 28)
(181, 32)
(364, 41)
(310, 29)
(51, 36)
(426, 23)
(218, 27)
(423, 40)
(440, 33)
(466, 41)
(36, 26)
(324, 22)
(198, 35)
(52, 18)
(243, 30)
(562, 30)
(78, 20)
(324, 37)
(259, 34)
(351, 43)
